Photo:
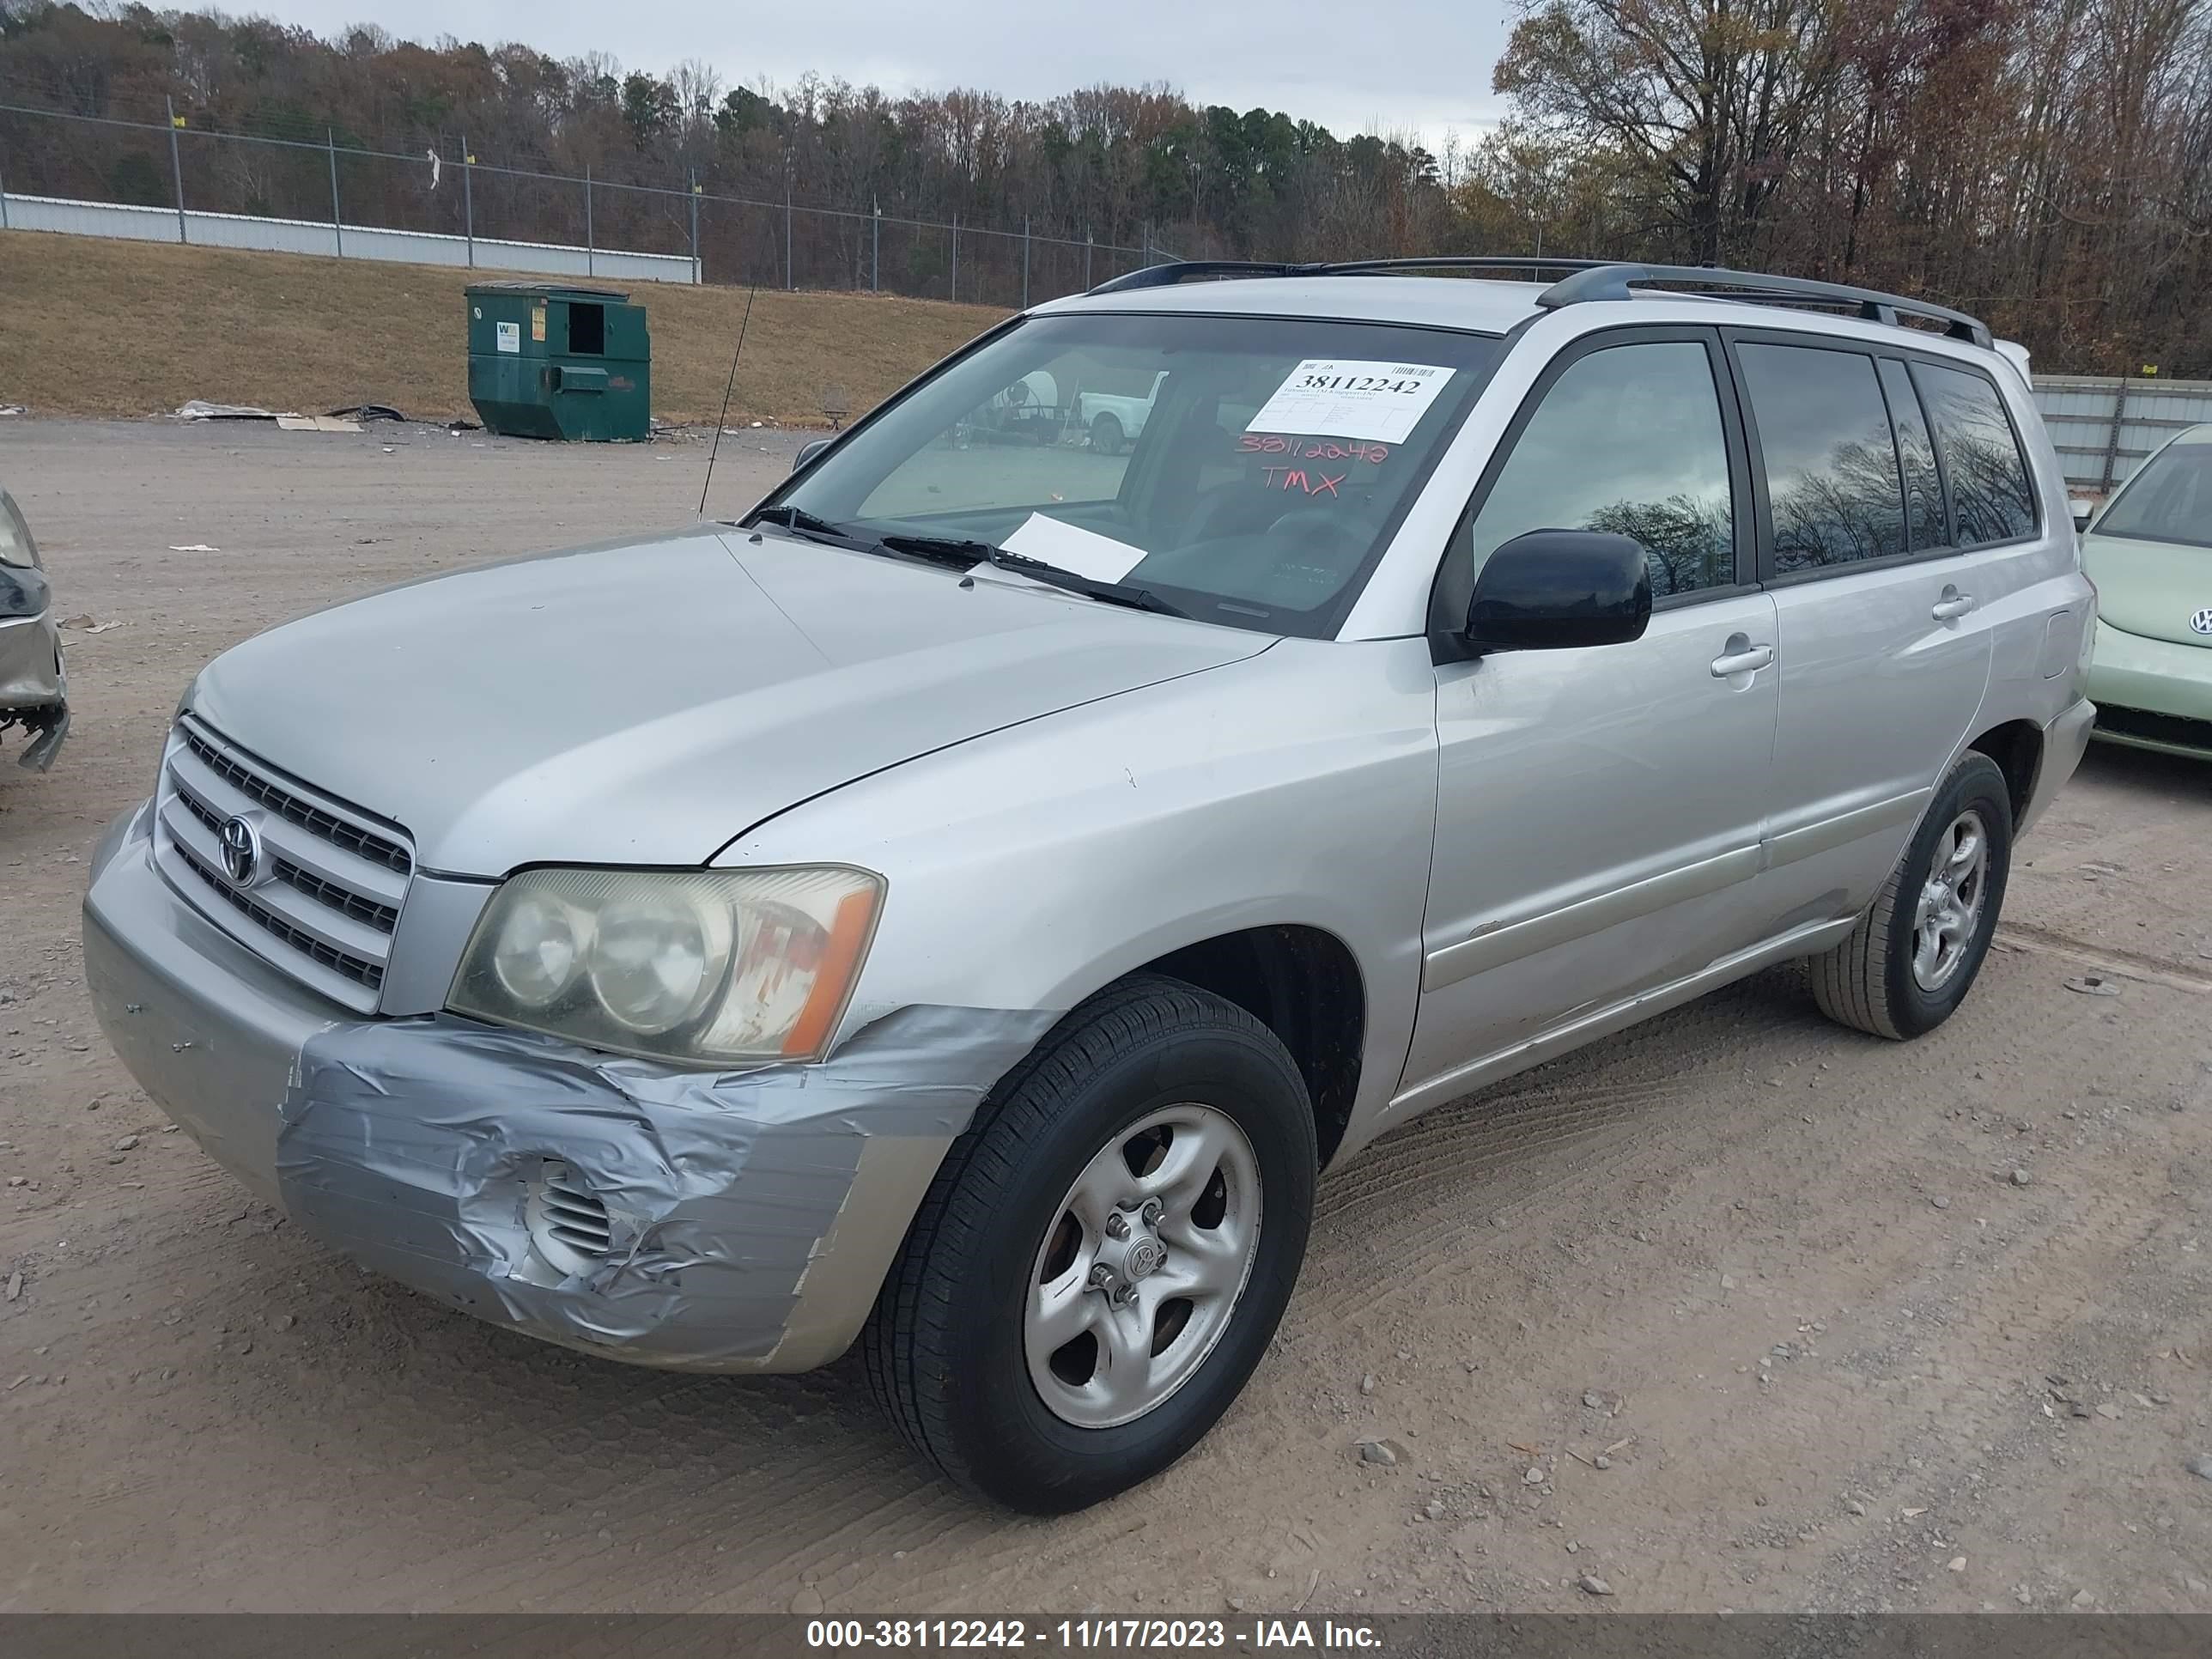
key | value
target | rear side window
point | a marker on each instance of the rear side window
(1832, 485)
(1915, 456)
(1990, 497)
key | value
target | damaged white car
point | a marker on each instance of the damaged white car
(962, 907)
(34, 684)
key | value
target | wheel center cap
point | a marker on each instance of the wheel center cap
(1145, 1257)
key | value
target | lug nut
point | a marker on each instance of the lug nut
(1151, 1211)
(1117, 1226)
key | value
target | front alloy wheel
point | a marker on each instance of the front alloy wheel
(1105, 1254)
(1143, 1268)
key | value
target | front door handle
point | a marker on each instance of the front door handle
(1742, 657)
(1952, 605)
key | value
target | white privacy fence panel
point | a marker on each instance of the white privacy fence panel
(415, 247)
(2104, 426)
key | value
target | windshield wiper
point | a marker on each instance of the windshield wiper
(799, 522)
(957, 549)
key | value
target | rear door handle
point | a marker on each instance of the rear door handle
(1952, 605)
(1742, 657)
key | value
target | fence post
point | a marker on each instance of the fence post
(875, 250)
(956, 258)
(337, 221)
(177, 170)
(469, 198)
(590, 242)
(1025, 262)
(2112, 439)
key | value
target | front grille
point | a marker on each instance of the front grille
(2154, 727)
(382, 917)
(353, 968)
(294, 809)
(326, 902)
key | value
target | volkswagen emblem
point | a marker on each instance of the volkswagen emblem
(2201, 622)
(241, 852)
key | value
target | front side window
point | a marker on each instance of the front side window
(2168, 500)
(1628, 440)
(1833, 487)
(1248, 469)
(1990, 495)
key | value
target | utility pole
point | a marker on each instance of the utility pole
(177, 168)
(698, 275)
(469, 198)
(1087, 244)
(590, 241)
(338, 219)
(955, 256)
(1025, 262)
(790, 277)
(876, 249)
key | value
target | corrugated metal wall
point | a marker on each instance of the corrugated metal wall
(2103, 427)
(345, 241)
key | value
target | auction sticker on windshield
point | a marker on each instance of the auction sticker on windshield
(1341, 399)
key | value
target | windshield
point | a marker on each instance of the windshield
(2169, 500)
(1245, 470)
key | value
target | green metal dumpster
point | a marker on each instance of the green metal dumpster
(559, 362)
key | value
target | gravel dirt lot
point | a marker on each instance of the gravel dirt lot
(1736, 1311)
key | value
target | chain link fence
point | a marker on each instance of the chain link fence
(60, 171)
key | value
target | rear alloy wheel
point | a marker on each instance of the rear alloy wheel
(1913, 956)
(1105, 1254)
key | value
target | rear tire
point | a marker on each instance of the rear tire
(1915, 953)
(1106, 436)
(963, 1349)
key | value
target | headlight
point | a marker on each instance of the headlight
(16, 547)
(702, 967)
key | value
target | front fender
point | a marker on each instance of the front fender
(1030, 868)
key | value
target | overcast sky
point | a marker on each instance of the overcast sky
(1384, 66)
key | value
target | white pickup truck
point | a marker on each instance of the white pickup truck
(1114, 420)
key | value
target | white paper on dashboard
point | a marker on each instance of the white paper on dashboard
(1085, 552)
(1337, 398)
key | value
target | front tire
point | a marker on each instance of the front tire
(1105, 1254)
(1915, 953)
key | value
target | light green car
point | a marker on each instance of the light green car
(2150, 552)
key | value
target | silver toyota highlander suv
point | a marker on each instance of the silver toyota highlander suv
(960, 908)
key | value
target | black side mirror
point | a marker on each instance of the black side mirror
(807, 452)
(1553, 588)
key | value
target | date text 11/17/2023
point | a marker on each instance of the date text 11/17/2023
(1141, 1635)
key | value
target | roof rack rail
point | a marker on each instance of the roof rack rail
(1618, 282)
(1199, 270)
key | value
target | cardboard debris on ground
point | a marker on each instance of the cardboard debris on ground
(195, 547)
(316, 424)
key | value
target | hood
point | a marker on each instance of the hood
(645, 702)
(2149, 588)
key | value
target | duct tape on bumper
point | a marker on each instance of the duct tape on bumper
(750, 1216)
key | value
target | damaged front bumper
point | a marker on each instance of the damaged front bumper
(34, 685)
(708, 1221)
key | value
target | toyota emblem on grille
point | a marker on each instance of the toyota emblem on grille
(241, 852)
(2201, 622)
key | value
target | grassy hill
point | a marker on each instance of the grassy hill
(98, 327)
